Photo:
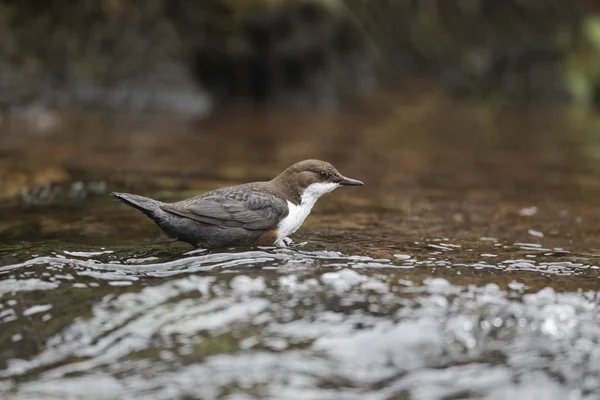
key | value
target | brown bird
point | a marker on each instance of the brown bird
(258, 213)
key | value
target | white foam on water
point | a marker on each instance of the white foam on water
(319, 326)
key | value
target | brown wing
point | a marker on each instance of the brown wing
(232, 207)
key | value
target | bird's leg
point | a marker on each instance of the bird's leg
(285, 242)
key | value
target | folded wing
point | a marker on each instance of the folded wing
(253, 210)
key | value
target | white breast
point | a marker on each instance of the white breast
(298, 213)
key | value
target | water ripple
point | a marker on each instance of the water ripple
(292, 336)
(290, 323)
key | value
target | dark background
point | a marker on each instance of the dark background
(174, 55)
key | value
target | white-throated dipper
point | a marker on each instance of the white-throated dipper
(258, 213)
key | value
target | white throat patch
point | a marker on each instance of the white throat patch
(298, 213)
(314, 191)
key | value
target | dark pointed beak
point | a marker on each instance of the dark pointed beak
(350, 182)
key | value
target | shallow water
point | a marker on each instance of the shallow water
(466, 268)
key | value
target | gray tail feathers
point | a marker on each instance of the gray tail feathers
(146, 205)
(151, 208)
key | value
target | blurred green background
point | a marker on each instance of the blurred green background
(184, 55)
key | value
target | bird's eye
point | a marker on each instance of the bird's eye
(324, 174)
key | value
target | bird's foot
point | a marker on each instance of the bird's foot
(285, 242)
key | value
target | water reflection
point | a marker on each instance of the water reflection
(468, 269)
